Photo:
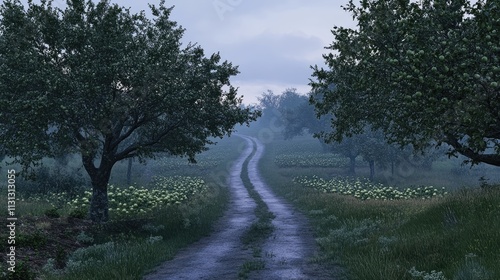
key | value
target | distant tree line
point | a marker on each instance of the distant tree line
(295, 115)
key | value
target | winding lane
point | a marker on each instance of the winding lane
(220, 256)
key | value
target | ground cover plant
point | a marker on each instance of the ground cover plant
(310, 160)
(452, 236)
(142, 201)
(364, 189)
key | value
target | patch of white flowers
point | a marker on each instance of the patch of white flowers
(364, 189)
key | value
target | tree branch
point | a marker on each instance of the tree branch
(492, 159)
(132, 148)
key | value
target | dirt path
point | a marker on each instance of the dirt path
(286, 253)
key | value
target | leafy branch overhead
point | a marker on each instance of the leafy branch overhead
(423, 72)
(97, 80)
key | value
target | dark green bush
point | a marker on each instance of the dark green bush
(78, 213)
(52, 213)
(22, 272)
(34, 240)
(55, 180)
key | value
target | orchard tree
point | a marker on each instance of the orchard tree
(97, 80)
(268, 105)
(423, 72)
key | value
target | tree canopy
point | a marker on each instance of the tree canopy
(97, 80)
(424, 73)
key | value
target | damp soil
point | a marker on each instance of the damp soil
(286, 254)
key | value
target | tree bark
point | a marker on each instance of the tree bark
(129, 172)
(372, 169)
(99, 205)
(352, 166)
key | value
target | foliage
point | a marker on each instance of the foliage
(55, 179)
(78, 213)
(83, 238)
(174, 163)
(425, 73)
(96, 80)
(364, 189)
(52, 213)
(310, 160)
(433, 275)
(33, 240)
(22, 272)
(472, 269)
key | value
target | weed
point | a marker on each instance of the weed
(60, 259)
(22, 271)
(472, 269)
(433, 275)
(52, 213)
(35, 240)
(78, 213)
(250, 266)
(83, 238)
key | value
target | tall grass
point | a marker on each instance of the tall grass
(456, 237)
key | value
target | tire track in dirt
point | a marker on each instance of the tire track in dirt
(288, 251)
(220, 256)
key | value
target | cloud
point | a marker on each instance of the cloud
(280, 57)
(251, 91)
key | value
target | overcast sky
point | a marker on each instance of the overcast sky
(274, 43)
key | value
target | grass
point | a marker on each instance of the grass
(455, 237)
(258, 231)
(120, 249)
(132, 256)
(249, 266)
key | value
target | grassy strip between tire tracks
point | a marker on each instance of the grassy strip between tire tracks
(260, 230)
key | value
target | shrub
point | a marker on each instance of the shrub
(35, 240)
(472, 269)
(52, 213)
(22, 272)
(56, 180)
(83, 238)
(78, 213)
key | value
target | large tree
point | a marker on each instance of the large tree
(424, 72)
(97, 80)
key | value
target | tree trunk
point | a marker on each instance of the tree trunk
(372, 169)
(99, 205)
(129, 172)
(352, 166)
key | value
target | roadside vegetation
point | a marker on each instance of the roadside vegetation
(431, 233)
(151, 219)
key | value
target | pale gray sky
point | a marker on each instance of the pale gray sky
(273, 42)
